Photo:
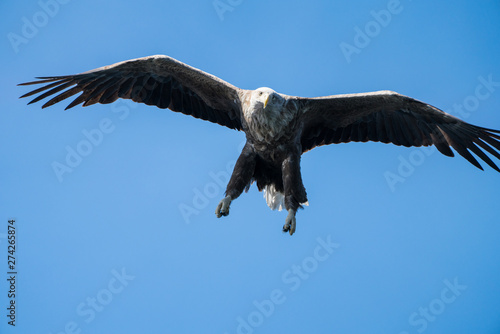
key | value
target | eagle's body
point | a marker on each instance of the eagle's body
(271, 155)
(278, 127)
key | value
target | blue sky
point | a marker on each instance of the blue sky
(395, 240)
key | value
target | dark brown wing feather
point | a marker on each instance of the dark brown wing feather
(389, 117)
(157, 80)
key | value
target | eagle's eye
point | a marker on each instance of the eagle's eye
(274, 98)
(260, 93)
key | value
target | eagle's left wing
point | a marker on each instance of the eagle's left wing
(389, 117)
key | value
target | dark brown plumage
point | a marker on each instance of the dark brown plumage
(389, 117)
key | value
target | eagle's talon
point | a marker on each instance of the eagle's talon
(290, 222)
(223, 207)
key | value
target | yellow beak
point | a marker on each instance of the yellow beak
(265, 102)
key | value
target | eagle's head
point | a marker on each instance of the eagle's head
(266, 103)
(266, 99)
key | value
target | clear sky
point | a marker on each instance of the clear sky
(395, 240)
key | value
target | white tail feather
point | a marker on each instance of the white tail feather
(275, 199)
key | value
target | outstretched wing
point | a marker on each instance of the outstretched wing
(389, 117)
(156, 80)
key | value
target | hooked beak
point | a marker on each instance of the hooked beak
(265, 102)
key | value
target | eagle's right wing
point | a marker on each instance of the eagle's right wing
(156, 80)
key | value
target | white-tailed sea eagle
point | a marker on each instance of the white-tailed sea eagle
(278, 127)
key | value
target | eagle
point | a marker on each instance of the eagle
(279, 128)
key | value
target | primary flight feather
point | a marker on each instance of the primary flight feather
(278, 127)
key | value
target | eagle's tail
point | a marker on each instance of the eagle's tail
(274, 199)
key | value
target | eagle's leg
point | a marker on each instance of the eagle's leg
(240, 179)
(295, 193)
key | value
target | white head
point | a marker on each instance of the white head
(265, 102)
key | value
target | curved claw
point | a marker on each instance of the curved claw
(223, 207)
(290, 222)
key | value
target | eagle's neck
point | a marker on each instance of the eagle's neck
(267, 125)
(264, 127)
